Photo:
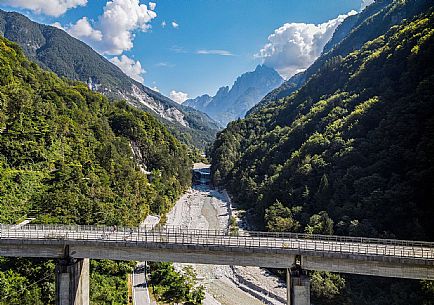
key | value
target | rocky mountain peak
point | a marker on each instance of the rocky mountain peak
(232, 103)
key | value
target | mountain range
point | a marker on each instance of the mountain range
(346, 147)
(350, 35)
(343, 148)
(55, 50)
(229, 104)
(69, 155)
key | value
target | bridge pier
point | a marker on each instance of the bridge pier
(298, 286)
(72, 281)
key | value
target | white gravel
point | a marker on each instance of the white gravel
(150, 221)
(208, 209)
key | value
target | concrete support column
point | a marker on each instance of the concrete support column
(288, 287)
(298, 287)
(72, 282)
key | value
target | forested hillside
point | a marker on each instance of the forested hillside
(66, 56)
(68, 155)
(350, 153)
(350, 35)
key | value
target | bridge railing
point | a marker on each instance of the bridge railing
(200, 232)
(265, 240)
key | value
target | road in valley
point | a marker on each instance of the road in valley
(140, 284)
(140, 288)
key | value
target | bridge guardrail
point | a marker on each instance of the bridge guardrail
(261, 234)
(269, 240)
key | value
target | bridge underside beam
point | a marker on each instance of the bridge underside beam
(376, 266)
(268, 259)
(188, 255)
(368, 267)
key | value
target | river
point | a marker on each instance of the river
(208, 209)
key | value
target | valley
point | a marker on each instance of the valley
(329, 135)
(53, 49)
(207, 209)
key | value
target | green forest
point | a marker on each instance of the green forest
(71, 58)
(343, 148)
(68, 155)
(171, 286)
(350, 153)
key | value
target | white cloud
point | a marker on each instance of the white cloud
(163, 24)
(178, 96)
(164, 65)
(175, 25)
(83, 29)
(366, 3)
(152, 5)
(178, 49)
(155, 88)
(215, 52)
(58, 25)
(294, 46)
(112, 33)
(130, 67)
(47, 7)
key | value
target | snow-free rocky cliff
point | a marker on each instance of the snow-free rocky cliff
(55, 50)
(232, 103)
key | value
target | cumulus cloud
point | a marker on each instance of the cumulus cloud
(130, 67)
(366, 3)
(58, 25)
(152, 5)
(214, 52)
(83, 29)
(178, 96)
(163, 24)
(112, 32)
(294, 46)
(175, 25)
(47, 7)
(155, 88)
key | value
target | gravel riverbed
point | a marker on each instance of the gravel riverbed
(208, 209)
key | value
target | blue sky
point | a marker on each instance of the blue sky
(205, 44)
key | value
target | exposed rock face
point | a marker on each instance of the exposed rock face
(229, 104)
(169, 113)
(66, 56)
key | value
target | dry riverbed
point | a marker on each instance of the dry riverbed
(208, 209)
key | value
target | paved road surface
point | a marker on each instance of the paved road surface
(140, 285)
(140, 289)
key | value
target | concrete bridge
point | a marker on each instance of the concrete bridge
(74, 245)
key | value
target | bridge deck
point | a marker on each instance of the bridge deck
(248, 248)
